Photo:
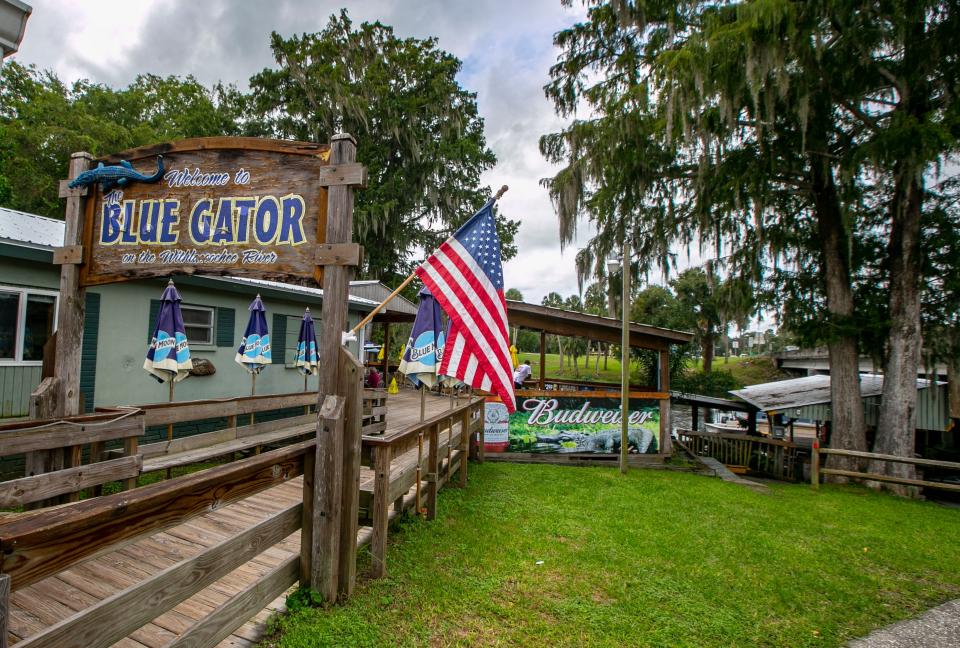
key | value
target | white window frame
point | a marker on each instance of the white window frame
(23, 294)
(213, 325)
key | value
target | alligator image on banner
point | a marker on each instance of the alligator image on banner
(119, 175)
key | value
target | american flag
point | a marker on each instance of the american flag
(465, 275)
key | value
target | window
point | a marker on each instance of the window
(198, 324)
(27, 320)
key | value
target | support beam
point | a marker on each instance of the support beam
(328, 482)
(666, 445)
(543, 360)
(71, 305)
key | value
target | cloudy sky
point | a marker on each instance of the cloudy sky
(506, 47)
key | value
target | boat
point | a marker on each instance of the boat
(730, 424)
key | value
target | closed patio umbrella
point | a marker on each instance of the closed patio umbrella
(253, 354)
(168, 356)
(306, 361)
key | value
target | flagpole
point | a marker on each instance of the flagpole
(406, 282)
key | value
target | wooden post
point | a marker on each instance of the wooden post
(4, 608)
(71, 304)
(625, 356)
(464, 445)
(60, 395)
(666, 445)
(328, 485)
(351, 385)
(543, 360)
(386, 354)
(130, 445)
(330, 426)
(694, 417)
(381, 511)
(433, 470)
(306, 527)
(815, 465)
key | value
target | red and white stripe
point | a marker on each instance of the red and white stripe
(478, 351)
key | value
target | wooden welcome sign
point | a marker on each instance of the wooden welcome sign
(212, 206)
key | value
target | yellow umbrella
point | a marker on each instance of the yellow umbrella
(513, 356)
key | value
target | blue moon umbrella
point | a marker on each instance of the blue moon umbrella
(253, 354)
(168, 358)
(306, 362)
(421, 359)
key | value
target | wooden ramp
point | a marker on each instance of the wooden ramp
(37, 607)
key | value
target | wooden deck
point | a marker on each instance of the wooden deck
(54, 599)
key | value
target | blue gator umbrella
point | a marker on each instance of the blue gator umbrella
(168, 358)
(306, 362)
(253, 354)
(421, 359)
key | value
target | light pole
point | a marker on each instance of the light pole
(613, 265)
(13, 22)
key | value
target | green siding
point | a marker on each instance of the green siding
(16, 384)
(88, 352)
(226, 322)
(152, 319)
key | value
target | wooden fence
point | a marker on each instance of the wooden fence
(421, 457)
(53, 452)
(35, 546)
(816, 470)
(770, 457)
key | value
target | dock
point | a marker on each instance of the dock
(134, 575)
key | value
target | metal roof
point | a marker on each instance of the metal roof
(376, 291)
(810, 390)
(595, 327)
(30, 230)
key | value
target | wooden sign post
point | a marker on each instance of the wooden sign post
(267, 209)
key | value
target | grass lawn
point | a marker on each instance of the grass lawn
(746, 371)
(654, 559)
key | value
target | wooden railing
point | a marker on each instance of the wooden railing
(421, 456)
(816, 470)
(770, 457)
(53, 452)
(38, 545)
(41, 545)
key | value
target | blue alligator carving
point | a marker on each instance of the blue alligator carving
(116, 176)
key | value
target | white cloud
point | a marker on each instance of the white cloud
(506, 47)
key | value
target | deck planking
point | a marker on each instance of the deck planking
(49, 601)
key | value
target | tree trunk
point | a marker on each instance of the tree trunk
(708, 344)
(560, 350)
(953, 389)
(896, 427)
(847, 420)
(606, 354)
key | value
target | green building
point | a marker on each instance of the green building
(119, 321)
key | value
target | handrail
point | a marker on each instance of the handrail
(45, 543)
(414, 429)
(816, 470)
(743, 437)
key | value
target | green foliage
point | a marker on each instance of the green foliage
(715, 383)
(418, 132)
(651, 558)
(304, 598)
(43, 121)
